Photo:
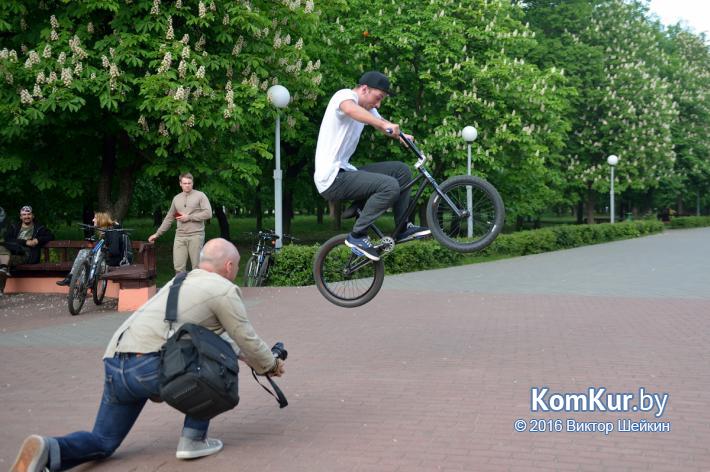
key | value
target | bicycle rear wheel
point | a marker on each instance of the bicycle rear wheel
(251, 272)
(343, 278)
(482, 215)
(77, 289)
(98, 289)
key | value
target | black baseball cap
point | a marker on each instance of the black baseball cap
(376, 80)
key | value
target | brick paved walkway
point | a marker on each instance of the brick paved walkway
(429, 376)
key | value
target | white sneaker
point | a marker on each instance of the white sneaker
(33, 455)
(192, 449)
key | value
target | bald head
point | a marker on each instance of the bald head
(221, 257)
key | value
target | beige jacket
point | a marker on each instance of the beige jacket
(196, 206)
(206, 299)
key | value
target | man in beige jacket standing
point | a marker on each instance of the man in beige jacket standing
(191, 209)
(209, 298)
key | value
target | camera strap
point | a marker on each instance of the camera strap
(279, 395)
(171, 308)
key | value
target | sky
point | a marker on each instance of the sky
(695, 14)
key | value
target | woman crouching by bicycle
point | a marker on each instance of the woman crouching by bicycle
(102, 220)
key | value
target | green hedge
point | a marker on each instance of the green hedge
(689, 222)
(293, 265)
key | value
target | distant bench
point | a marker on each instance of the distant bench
(132, 284)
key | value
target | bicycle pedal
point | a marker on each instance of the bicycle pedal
(386, 245)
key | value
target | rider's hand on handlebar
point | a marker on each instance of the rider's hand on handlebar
(390, 129)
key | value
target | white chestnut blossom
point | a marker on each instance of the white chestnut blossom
(25, 97)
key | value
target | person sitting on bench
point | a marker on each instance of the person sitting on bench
(22, 244)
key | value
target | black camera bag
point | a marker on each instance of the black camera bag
(199, 370)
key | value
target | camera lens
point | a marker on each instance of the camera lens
(279, 352)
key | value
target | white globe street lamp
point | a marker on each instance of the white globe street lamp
(279, 97)
(612, 161)
(469, 134)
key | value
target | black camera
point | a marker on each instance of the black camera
(279, 351)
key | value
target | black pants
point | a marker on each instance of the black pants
(378, 184)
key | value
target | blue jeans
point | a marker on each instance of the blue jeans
(129, 382)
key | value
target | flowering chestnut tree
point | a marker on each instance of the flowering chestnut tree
(96, 92)
(455, 64)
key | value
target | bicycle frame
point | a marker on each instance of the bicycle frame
(428, 179)
(95, 252)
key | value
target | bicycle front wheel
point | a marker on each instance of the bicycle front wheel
(77, 289)
(343, 278)
(251, 272)
(98, 289)
(263, 273)
(475, 221)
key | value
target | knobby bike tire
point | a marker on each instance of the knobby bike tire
(77, 288)
(250, 272)
(348, 291)
(98, 289)
(487, 211)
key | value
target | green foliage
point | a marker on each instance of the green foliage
(640, 94)
(293, 264)
(179, 85)
(689, 222)
(455, 64)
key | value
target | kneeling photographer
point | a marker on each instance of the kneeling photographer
(205, 303)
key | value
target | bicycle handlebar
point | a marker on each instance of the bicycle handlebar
(104, 230)
(270, 235)
(410, 144)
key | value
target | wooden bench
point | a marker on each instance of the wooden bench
(133, 284)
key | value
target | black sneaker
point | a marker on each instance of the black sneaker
(362, 247)
(64, 282)
(413, 232)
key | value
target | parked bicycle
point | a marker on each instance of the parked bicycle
(465, 214)
(89, 274)
(262, 257)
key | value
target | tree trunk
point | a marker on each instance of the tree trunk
(223, 222)
(108, 168)
(87, 217)
(319, 210)
(126, 175)
(591, 201)
(258, 212)
(580, 211)
(287, 211)
(335, 212)
(680, 208)
(157, 217)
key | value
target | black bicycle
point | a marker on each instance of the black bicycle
(262, 257)
(89, 274)
(465, 214)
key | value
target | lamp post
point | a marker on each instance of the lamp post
(612, 161)
(469, 134)
(279, 97)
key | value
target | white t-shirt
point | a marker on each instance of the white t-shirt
(337, 140)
